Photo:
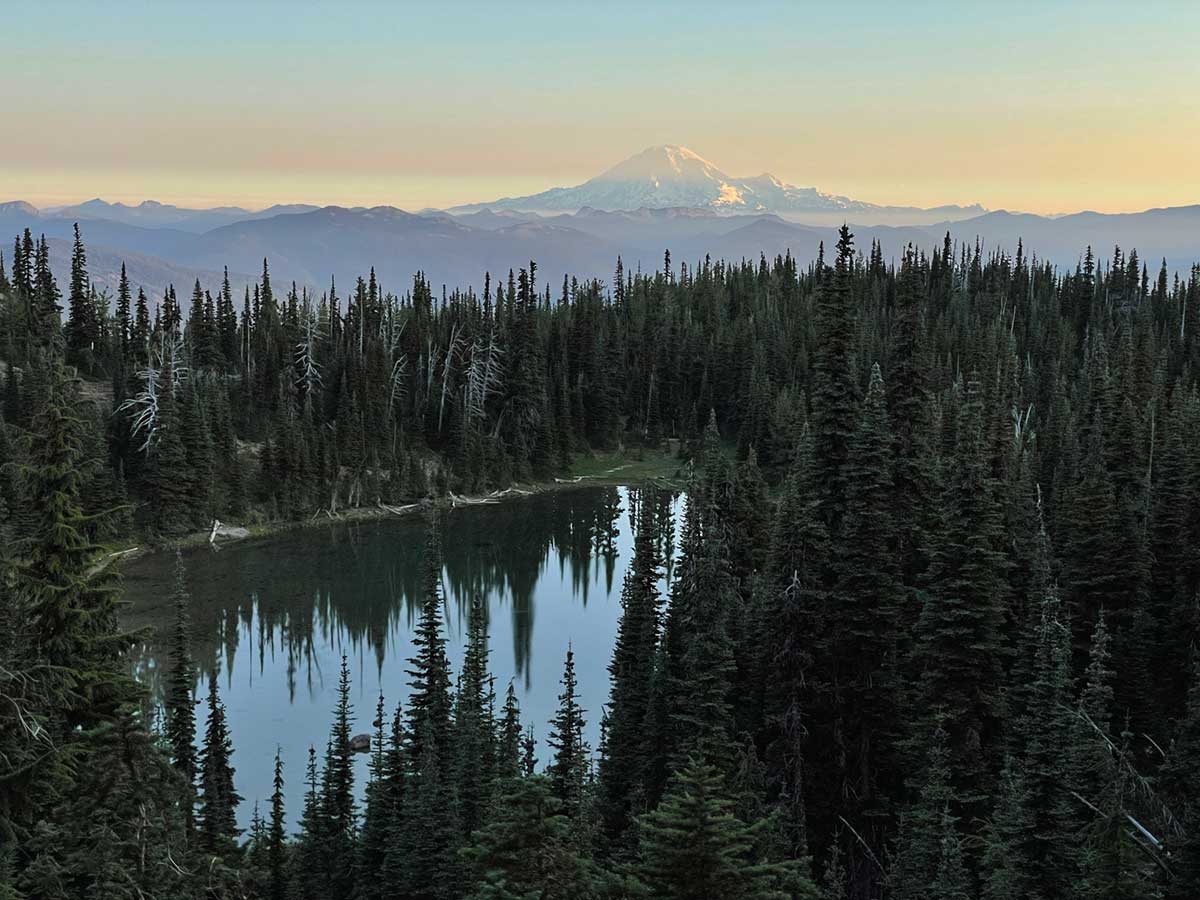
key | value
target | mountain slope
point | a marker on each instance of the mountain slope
(152, 214)
(673, 176)
(1172, 233)
(311, 247)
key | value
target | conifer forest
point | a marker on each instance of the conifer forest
(929, 630)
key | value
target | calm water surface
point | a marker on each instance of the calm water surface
(273, 617)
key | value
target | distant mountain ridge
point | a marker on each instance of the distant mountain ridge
(334, 242)
(152, 214)
(688, 206)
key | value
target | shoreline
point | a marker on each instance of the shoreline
(656, 467)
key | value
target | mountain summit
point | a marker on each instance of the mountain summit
(671, 176)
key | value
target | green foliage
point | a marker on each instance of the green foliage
(692, 846)
(429, 706)
(1181, 777)
(337, 812)
(474, 729)
(951, 479)
(218, 829)
(277, 848)
(178, 700)
(527, 849)
(569, 765)
(623, 767)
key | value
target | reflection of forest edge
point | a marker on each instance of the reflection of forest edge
(357, 582)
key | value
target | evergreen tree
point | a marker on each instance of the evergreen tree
(336, 804)
(526, 849)
(925, 826)
(1181, 777)
(569, 765)
(632, 672)
(508, 747)
(474, 731)
(277, 848)
(1006, 870)
(124, 320)
(692, 846)
(862, 645)
(428, 845)
(309, 873)
(218, 829)
(429, 701)
(82, 328)
(959, 641)
(179, 702)
(99, 817)
(701, 711)
(835, 389)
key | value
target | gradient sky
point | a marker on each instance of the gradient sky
(1046, 107)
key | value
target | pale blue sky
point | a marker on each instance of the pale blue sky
(1047, 107)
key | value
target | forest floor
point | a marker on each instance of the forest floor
(630, 467)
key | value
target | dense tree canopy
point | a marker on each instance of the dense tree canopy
(929, 628)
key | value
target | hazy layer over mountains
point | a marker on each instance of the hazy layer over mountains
(666, 198)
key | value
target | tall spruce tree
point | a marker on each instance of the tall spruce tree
(568, 767)
(179, 700)
(336, 805)
(429, 706)
(218, 830)
(474, 731)
(277, 848)
(527, 849)
(82, 327)
(632, 672)
(1181, 777)
(692, 846)
(836, 389)
(959, 643)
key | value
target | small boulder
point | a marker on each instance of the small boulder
(360, 743)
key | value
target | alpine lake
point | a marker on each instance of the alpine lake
(273, 617)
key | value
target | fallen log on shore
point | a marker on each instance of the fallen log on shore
(230, 532)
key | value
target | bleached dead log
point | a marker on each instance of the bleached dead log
(396, 510)
(231, 532)
(108, 559)
(457, 500)
(512, 490)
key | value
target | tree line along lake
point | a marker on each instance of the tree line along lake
(273, 617)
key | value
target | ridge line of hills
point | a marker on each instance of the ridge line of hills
(666, 198)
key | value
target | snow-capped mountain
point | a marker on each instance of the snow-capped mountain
(670, 176)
